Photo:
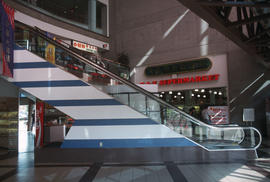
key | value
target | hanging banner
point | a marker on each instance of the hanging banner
(50, 53)
(50, 49)
(7, 35)
(39, 124)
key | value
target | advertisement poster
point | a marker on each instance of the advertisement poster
(50, 53)
(39, 124)
(219, 114)
(7, 36)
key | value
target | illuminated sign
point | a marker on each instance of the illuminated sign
(84, 47)
(175, 81)
(202, 64)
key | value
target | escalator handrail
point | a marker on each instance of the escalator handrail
(139, 89)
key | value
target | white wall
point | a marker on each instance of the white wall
(159, 32)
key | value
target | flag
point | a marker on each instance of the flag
(7, 35)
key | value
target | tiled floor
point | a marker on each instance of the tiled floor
(22, 169)
(233, 172)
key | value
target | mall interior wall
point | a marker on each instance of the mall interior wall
(156, 31)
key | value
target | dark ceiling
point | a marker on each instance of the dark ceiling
(245, 22)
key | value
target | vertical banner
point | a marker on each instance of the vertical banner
(39, 124)
(50, 53)
(7, 35)
(50, 50)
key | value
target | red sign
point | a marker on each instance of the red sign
(203, 78)
(39, 124)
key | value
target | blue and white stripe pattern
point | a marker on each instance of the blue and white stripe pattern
(100, 120)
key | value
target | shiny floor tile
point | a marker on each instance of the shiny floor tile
(134, 174)
(21, 168)
(230, 172)
(49, 174)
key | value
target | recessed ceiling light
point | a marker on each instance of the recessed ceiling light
(170, 92)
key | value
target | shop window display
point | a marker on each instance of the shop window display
(196, 99)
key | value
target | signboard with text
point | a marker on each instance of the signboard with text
(204, 78)
(186, 78)
(218, 114)
(84, 47)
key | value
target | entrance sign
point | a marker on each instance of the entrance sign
(202, 64)
(84, 47)
(204, 78)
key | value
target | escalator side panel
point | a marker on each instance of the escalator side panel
(100, 120)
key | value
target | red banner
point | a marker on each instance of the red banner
(39, 124)
(7, 35)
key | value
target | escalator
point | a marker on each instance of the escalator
(107, 118)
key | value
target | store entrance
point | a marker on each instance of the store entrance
(26, 128)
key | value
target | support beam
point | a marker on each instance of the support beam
(258, 35)
(248, 26)
(227, 12)
(252, 26)
(249, 20)
(217, 22)
(262, 45)
(235, 4)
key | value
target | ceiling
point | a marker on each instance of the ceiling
(245, 22)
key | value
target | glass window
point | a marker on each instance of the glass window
(196, 98)
(88, 14)
(101, 15)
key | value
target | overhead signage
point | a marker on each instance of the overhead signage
(175, 81)
(202, 64)
(84, 47)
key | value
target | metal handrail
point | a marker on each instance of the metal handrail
(145, 92)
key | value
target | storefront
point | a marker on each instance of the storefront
(198, 83)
